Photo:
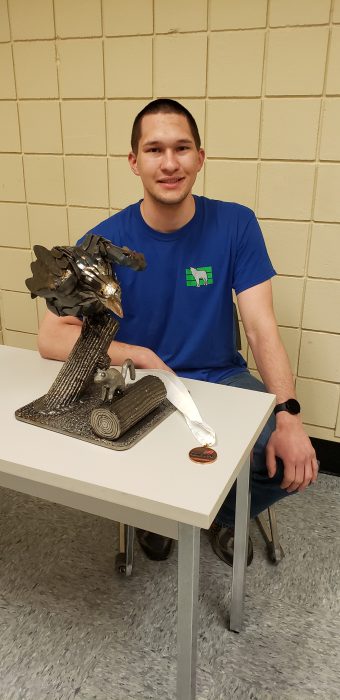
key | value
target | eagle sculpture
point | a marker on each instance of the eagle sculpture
(80, 280)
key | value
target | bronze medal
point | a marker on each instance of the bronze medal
(203, 454)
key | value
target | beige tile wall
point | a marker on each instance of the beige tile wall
(262, 78)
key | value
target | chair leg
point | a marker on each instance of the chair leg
(277, 549)
(270, 535)
(124, 560)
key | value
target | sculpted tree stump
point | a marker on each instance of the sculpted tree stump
(89, 353)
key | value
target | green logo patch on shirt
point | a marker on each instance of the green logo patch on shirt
(199, 276)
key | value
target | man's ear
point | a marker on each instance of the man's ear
(201, 157)
(132, 158)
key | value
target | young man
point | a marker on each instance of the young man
(173, 321)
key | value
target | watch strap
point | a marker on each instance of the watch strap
(292, 406)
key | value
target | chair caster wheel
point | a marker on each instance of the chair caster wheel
(120, 563)
(275, 556)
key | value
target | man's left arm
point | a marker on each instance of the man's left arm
(289, 441)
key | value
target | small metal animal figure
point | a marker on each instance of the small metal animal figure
(113, 380)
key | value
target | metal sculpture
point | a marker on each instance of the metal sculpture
(80, 281)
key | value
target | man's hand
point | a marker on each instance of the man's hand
(149, 360)
(290, 442)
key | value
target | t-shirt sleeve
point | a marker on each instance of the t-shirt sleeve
(103, 229)
(252, 264)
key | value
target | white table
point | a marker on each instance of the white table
(154, 485)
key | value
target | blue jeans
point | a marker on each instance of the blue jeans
(264, 491)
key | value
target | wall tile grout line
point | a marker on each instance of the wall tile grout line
(263, 92)
(317, 152)
(57, 60)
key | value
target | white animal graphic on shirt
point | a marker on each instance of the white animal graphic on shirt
(199, 275)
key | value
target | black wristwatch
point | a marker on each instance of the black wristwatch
(291, 405)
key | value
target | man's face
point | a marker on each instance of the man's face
(167, 160)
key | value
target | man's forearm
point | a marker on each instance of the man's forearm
(55, 341)
(256, 308)
(57, 337)
(273, 365)
(289, 440)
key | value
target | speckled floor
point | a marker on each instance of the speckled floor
(70, 627)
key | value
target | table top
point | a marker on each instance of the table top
(155, 476)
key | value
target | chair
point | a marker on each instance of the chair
(268, 529)
(269, 532)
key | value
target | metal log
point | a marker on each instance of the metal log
(141, 398)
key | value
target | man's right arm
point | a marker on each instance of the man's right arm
(58, 334)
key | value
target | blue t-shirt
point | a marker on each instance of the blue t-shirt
(181, 305)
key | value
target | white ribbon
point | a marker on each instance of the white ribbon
(178, 395)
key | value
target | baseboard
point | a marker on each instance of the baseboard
(328, 454)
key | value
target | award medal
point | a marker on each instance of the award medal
(203, 454)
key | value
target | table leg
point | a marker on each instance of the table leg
(240, 547)
(188, 574)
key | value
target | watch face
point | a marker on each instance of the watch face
(293, 406)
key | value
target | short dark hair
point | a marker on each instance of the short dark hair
(165, 106)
